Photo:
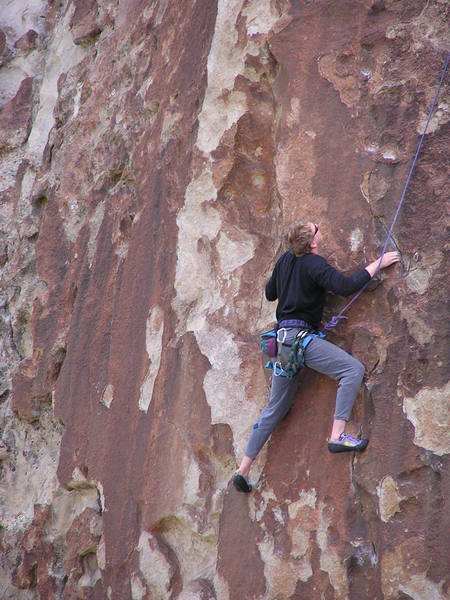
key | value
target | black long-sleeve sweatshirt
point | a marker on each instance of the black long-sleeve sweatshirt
(312, 277)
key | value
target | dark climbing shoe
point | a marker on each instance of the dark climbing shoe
(347, 443)
(241, 484)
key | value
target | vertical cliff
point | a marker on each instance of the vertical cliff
(150, 155)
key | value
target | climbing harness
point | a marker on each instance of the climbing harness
(335, 320)
(270, 339)
(296, 357)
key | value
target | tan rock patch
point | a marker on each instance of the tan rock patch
(389, 498)
(405, 569)
(429, 412)
(154, 334)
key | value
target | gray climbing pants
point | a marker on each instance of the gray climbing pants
(323, 357)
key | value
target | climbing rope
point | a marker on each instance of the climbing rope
(335, 320)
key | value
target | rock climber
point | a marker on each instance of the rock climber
(300, 281)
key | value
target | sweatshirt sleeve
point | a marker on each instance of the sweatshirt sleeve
(271, 286)
(334, 281)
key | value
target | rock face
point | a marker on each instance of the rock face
(151, 154)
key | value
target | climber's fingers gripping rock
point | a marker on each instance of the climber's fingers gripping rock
(389, 259)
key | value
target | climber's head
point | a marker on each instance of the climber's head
(302, 238)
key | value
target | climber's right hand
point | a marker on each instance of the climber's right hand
(389, 259)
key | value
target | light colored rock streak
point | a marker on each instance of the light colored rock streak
(225, 62)
(108, 395)
(234, 253)
(224, 384)
(197, 285)
(153, 341)
(196, 552)
(440, 117)
(63, 55)
(429, 412)
(356, 238)
(16, 18)
(154, 567)
(389, 498)
(138, 590)
(260, 17)
(330, 561)
(419, 278)
(35, 456)
(195, 281)
(283, 572)
(201, 287)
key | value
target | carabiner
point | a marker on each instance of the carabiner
(277, 369)
(284, 330)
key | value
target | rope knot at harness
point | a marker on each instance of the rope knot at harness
(335, 320)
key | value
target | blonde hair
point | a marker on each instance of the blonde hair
(298, 238)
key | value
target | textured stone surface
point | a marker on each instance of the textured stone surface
(428, 411)
(150, 156)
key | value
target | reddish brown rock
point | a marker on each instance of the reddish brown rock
(28, 41)
(2, 43)
(86, 22)
(80, 560)
(37, 555)
(15, 116)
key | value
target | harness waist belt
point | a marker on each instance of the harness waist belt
(295, 323)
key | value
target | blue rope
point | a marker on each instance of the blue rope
(335, 320)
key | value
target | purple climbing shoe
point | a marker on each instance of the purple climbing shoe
(347, 443)
(241, 484)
